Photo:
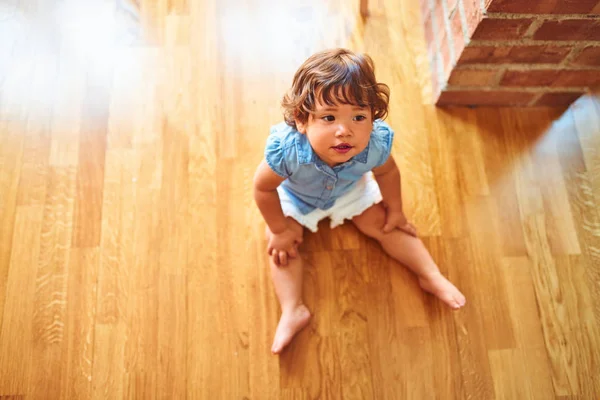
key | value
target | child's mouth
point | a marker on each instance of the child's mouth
(342, 148)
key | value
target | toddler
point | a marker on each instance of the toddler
(331, 158)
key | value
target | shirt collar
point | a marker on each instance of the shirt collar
(304, 151)
(306, 155)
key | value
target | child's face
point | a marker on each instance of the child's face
(337, 133)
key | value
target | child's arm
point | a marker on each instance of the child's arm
(265, 194)
(283, 241)
(389, 181)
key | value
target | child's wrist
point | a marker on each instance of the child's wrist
(279, 228)
(395, 208)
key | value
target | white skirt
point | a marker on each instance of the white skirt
(362, 196)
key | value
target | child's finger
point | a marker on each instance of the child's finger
(293, 253)
(411, 230)
(283, 258)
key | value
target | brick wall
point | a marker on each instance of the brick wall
(512, 52)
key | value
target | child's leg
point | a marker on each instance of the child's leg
(411, 252)
(288, 287)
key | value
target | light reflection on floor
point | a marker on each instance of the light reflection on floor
(290, 30)
(41, 40)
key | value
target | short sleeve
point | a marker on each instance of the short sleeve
(275, 156)
(383, 137)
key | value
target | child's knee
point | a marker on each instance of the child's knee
(375, 231)
(370, 228)
(295, 226)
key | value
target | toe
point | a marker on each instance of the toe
(276, 348)
(459, 301)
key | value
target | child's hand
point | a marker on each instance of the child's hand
(283, 245)
(397, 220)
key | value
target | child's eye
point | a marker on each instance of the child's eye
(328, 118)
(360, 118)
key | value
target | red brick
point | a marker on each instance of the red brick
(473, 77)
(557, 99)
(569, 29)
(457, 35)
(452, 6)
(481, 98)
(596, 9)
(542, 7)
(570, 78)
(501, 29)
(544, 54)
(440, 25)
(529, 78)
(590, 56)
(473, 13)
(554, 78)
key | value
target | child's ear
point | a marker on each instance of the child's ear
(300, 126)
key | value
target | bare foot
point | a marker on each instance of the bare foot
(290, 323)
(443, 289)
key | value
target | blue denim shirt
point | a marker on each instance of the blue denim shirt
(310, 182)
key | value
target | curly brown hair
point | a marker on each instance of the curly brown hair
(335, 76)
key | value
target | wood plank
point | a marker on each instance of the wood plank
(141, 306)
(263, 312)
(500, 165)
(562, 234)
(67, 115)
(510, 375)
(485, 267)
(204, 363)
(382, 330)
(571, 271)
(169, 241)
(586, 117)
(470, 161)
(78, 346)
(114, 287)
(14, 114)
(446, 177)
(447, 379)
(581, 186)
(471, 331)
(553, 314)
(36, 145)
(17, 333)
(305, 363)
(11, 154)
(351, 320)
(50, 300)
(529, 337)
(92, 148)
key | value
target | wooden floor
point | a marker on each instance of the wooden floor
(132, 260)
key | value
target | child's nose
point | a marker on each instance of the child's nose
(342, 130)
